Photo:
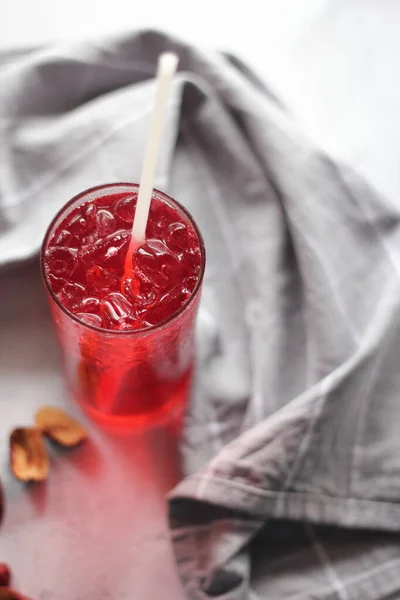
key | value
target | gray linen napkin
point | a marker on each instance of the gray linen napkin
(291, 445)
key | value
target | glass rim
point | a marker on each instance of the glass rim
(163, 196)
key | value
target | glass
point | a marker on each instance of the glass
(130, 377)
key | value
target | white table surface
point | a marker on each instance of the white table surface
(97, 530)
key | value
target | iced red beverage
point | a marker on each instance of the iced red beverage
(126, 334)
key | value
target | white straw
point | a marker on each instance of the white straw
(167, 64)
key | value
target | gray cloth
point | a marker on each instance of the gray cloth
(291, 444)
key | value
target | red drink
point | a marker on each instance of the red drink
(127, 341)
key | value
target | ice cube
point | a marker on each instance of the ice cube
(101, 280)
(71, 295)
(105, 223)
(113, 246)
(83, 222)
(90, 305)
(158, 263)
(140, 290)
(157, 222)
(60, 261)
(129, 323)
(89, 319)
(192, 260)
(171, 273)
(114, 309)
(168, 305)
(125, 208)
(56, 283)
(64, 238)
(177, 237)
(189, 284)
(90, 239)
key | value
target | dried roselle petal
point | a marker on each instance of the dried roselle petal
(28, 456)
(1, 503)
(5, 575)
(60, 427)
(9, 594)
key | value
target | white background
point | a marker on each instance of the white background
(335, 62)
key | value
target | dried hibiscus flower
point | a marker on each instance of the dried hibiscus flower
(60, 427)
(1, 503)
(8, 594)
(28, 455)
(5, 575)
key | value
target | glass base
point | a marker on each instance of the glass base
(171, 413)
